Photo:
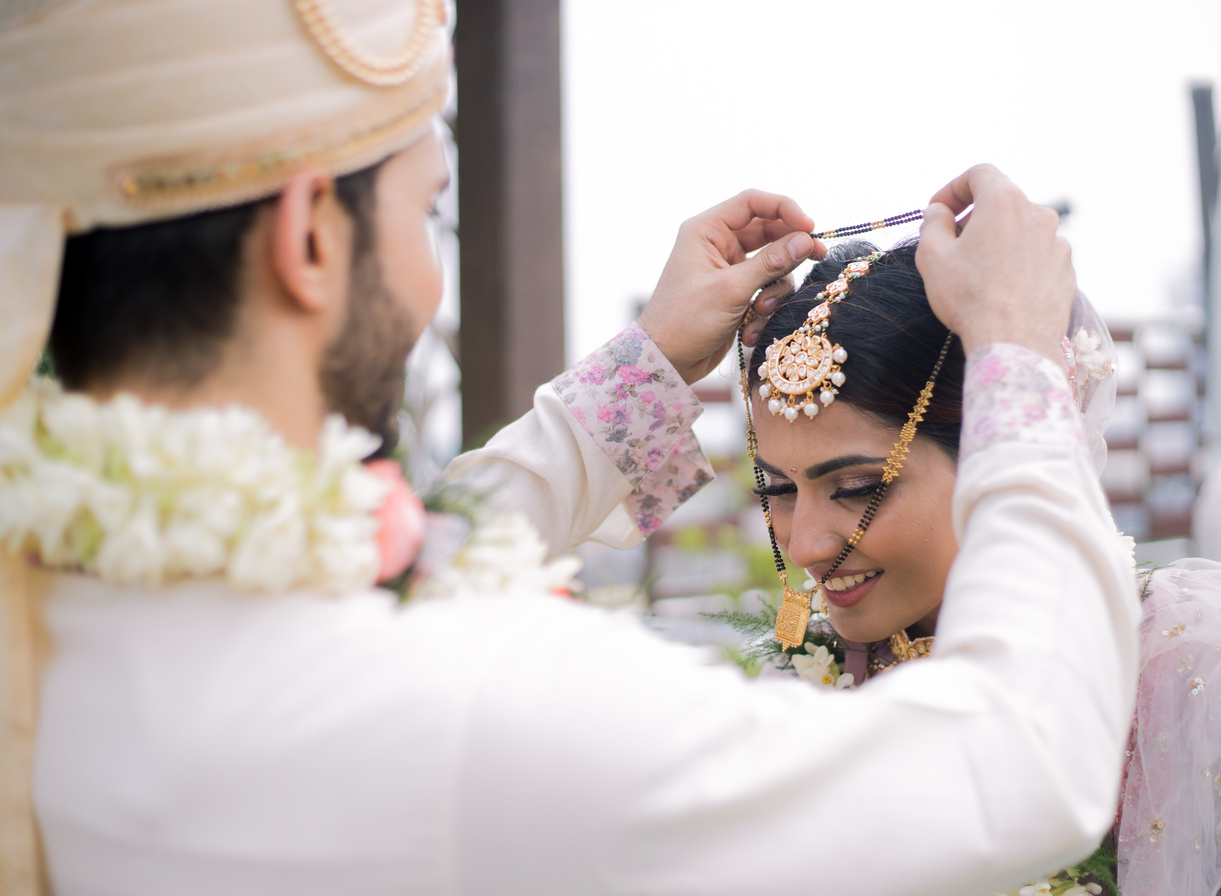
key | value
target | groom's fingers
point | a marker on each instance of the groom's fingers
(766, 302)
(938, 230)
(773, 262)
(963, 190)
(738, 212)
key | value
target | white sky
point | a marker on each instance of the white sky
(863, 110)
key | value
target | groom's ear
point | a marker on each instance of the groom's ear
(309, 244)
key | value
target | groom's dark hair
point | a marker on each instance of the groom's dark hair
(160, 300)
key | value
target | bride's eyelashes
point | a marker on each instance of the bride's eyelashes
(860, 491)
(856, 487)
(775, 490)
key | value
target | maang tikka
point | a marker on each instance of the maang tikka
(806, 362)
(797, 365)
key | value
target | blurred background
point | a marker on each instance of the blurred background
(584, 133)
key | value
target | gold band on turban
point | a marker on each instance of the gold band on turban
(120, 112)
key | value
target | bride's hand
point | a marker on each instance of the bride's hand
(708, 281)
(1003, 274)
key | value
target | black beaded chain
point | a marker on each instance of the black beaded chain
(854, 229)
(752, 450)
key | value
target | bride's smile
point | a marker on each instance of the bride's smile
(820, 475)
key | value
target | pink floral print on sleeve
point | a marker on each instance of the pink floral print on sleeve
(1013, 394)
(630, 399)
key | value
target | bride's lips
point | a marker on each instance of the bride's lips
(856, 593)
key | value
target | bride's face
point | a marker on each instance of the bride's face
(820, 475)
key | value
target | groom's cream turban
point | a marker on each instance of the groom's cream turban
(117, 112)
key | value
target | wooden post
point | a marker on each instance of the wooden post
(510, 205)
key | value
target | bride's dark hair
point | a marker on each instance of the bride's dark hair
(892, 338)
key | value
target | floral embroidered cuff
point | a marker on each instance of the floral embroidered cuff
(1013, 394)
(633, 403)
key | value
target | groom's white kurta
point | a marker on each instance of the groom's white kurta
(199, 741)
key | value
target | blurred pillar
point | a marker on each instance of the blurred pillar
(1206, 156)
(510, 205)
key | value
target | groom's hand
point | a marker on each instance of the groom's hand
(1001, 275)
(709, 279)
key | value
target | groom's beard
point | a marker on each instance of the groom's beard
(363, 369)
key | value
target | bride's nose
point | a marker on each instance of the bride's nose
(812, 541)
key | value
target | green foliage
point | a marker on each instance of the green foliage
(1144, 576)
(758, 630)
(1100, 866)
(46, 365)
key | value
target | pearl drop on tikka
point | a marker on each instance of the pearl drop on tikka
(811, 409)
(826, 396)
(774, 406)
(838, 378)
(790, 414)
(839, 356)
(765, 390)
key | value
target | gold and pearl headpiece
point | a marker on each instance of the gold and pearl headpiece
(806, 362)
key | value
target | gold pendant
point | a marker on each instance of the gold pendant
(792, 618)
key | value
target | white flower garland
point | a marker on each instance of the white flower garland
(502, 554)
(140, 495)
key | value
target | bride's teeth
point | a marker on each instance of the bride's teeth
(858, 578)
(871, 574)
(837, 584)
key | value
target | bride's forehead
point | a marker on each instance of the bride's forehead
(837, 430)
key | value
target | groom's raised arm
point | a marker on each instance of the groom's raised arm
(607, 452)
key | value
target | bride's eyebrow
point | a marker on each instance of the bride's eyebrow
(820, 470)
(838, 463)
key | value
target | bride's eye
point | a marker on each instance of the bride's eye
(774, 487)
(775, 490)
(856, 487)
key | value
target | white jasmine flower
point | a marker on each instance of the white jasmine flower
(272, 549)
(1040, 888)
(134, 553)
(72, 421)
(360, 491)
(127, 425)
(1129, 547)
(502, 554)
(818, 666)
(341, 446)
(107, 503)
(61, 494)
(193, 549)
(219, 509)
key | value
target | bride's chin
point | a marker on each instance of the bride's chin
(860, 630)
